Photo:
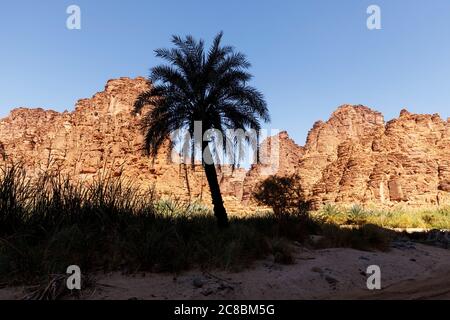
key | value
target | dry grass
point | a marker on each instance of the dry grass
(430, 218)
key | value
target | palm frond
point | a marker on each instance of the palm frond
(211, 87)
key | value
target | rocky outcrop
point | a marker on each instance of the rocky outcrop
(354, 157)
(280, 155)
(103, 135)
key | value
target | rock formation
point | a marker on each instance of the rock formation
(102, 136)
(354, 157)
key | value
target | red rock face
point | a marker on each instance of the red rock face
(354, 157)
(280, 155)
(103, 135)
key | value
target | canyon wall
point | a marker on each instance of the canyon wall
(357, 158)
(354, 157)
(103, 137)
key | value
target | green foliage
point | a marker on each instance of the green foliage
(108, 224)
(332, 214)
(357, 215)
(436, 218)
(210, 86)
(331, 210)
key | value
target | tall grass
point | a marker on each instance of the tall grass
(108, 224)
(432, 218)
(50, 222)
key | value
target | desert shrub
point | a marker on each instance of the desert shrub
(282, 251)
(283, 194)
(366, 237)
(331, 210)
(357, 215)
(331, 214)
(444, 212)
(429, 219)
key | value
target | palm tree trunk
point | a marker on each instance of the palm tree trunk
(211, 176)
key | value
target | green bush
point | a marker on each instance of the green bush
(357, 215)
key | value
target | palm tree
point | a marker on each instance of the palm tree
(197, 86)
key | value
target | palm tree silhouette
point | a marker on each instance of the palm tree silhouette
(207, 87)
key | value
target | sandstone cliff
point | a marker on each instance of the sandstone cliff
(354, 157)
(103, 135)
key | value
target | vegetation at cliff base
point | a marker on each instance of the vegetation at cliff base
(395, 218)
(51, 222)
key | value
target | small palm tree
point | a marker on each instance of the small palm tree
(197, 86)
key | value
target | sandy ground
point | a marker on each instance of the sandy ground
(408, 271)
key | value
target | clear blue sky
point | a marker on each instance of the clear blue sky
(308, 56)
